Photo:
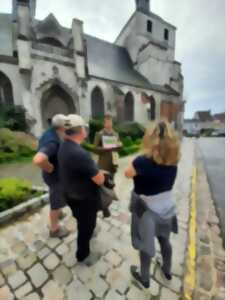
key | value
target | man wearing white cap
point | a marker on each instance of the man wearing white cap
(80, 179)
(47, 160)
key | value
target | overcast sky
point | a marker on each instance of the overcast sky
(200, 38)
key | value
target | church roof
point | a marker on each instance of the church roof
(109, 61)
(105, 60)
(112, 62)
(6, 38)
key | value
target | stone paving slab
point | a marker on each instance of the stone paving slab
(47, 268)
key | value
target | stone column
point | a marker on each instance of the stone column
(23, 45)
(79, 49)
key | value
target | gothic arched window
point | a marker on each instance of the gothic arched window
(129, 107)
(6, 92)
(152, 111)
(97, 103)
(149, 26)
(166, 34)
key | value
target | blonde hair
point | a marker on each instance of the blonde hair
(162, 144)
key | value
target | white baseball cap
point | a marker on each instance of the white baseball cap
(58, 120)
(73, 121)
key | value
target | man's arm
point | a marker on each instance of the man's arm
(41, 161)
(99, 179)
(90, 169)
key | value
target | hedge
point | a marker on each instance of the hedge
(13, 117)
(15, 146)
(133, 130)
(15, 191)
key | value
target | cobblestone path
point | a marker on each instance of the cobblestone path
(34, 267)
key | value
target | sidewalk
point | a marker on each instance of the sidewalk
(210, 271)
(33, 267)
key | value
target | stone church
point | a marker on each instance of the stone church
(49, 69)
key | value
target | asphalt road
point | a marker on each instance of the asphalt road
(213, 151)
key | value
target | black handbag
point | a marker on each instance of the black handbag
(107, 193)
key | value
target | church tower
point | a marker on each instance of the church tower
(30, 3)
(143, 5)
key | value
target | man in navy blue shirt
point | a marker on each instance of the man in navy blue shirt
(80, 178)
(47, 160)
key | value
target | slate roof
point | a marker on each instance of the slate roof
(112, 62)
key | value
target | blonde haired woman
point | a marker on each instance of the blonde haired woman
(152, 204)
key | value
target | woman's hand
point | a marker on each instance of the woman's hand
(130, 171)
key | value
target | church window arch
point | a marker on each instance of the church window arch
(6, 91)
(149, 26)
(166, 34)
(152, 110)
(129, 107)
(97, 103)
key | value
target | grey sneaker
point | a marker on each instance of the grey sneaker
(60, 233)
(92, 259)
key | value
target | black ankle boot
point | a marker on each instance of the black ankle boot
(137, 277)
(168, 276)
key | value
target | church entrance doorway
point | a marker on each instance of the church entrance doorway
(56, 101)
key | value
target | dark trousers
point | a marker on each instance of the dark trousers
(166, 251)
(85, 212)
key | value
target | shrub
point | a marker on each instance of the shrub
(13, 117)
(131, 129)
(13, 191)
(95, 125)
(131, 134)
(15, 145)
(127, 141)
(89, 147)
(129, 150)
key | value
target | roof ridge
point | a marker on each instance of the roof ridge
(104, 41)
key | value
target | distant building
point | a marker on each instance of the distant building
(204, 120)
(50, 69)
(220, 118)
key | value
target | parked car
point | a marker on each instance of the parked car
(191, 133)
(218, 133)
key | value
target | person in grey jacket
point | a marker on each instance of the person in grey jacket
(153, 206)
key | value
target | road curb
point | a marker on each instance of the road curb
(190, 263)
(27, 206)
